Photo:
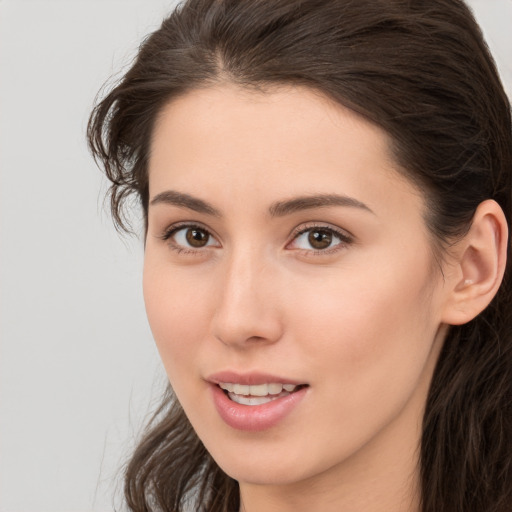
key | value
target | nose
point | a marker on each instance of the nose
(248, 311)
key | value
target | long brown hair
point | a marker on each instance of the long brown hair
(419, 69)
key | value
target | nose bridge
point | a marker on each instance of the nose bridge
(247, 308)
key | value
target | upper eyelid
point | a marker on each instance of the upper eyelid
(302, 228)
(169, 232)
(345, 239)
(305, 227)
(176, 226)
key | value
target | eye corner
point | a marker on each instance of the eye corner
(326, 235)
(189, 238)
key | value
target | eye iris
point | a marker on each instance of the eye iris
(197, 237)
(320, 239)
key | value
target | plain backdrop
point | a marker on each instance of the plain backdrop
(78, 367)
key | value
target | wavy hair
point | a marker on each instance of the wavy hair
(419, 69)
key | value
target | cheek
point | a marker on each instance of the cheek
(370, 328)
(177, 310)
(368, 350)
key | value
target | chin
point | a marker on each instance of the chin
(270, 466)
(262, 474)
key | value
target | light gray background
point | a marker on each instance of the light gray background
(78, 368)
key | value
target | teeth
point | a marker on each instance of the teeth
(260, 390)
(241, 389)
(251, 400)
(275, 389)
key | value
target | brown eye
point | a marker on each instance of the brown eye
(190, 237)
(197, 237)
(320, 239)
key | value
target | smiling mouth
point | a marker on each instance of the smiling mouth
(258, 394)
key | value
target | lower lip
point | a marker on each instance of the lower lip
(255, 417)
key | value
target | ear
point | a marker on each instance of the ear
(479, 264)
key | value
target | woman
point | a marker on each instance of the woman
(326, 187)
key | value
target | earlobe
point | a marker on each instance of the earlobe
(480, 259)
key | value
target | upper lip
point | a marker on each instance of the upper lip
(250, 379)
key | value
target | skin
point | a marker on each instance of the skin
(361, 322)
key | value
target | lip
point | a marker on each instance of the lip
(253, 418)
(249, 379)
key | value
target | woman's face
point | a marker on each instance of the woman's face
(290, 284)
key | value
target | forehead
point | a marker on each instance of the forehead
(281, 142)
(289, 112)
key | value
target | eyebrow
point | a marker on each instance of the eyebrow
(182, 200)
(277, 209)
(287, 207)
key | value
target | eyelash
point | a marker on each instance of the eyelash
(344, 238)
(172, 230)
